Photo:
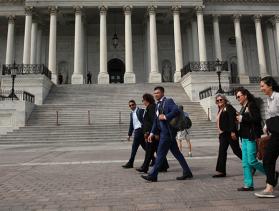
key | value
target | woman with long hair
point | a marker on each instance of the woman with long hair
(151, 148)
(249, 119)
(226, 124)
(270, 88)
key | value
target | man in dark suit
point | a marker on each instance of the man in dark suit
(136, 119)
(166, 110)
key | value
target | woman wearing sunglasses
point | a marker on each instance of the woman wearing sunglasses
(226, 125)
(250, 129)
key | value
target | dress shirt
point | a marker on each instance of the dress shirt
(273, 105)
(136, 122)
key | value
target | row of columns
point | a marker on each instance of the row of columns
(32, 43)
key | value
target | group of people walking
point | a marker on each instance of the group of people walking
(153, 131)
(247, 126)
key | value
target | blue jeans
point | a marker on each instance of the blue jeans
(249, 161)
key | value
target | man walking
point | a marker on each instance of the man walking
(166, 110)
(136, 119)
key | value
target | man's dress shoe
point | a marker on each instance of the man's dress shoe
(149, 178)
(128, 166)
(185, 177)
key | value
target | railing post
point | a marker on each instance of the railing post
(208, 116)
(57, 118)
(120, 118)
(89, 122)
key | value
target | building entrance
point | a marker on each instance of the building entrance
(116, 70)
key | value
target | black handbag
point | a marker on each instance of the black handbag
(272, 124)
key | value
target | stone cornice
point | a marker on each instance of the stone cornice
(241, 1)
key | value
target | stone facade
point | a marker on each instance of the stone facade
(154, 39)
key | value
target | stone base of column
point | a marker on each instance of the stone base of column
(244, 79)
(103, 78)
(77, 79)
(54, 78)
(155, 77)
(177, 77)
(129, 78)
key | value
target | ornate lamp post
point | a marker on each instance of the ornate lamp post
(115, 40)
(218, 68)
(13, 75)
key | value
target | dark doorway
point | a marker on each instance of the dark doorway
(116, 70)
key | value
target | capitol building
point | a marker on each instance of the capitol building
(147, 41)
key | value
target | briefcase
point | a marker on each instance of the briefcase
(261, 145)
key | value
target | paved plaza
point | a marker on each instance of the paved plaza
(89, 177)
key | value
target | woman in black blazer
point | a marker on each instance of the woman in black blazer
(151, 148)
(226, 124)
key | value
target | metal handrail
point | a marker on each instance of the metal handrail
(24, 69)
(22, 96)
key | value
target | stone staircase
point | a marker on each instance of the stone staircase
(109, 114)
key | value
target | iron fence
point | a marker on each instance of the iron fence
(24, 69)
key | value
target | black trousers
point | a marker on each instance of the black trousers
(151, 148)
(225, 141)
(270, 156)
(138, 141)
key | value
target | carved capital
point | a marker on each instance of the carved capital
(11, 19)
(216, 18)
(53, 10)
(103, 10)
(257, 18)
(78, 10)
(152, 9)
(127, 9)
(28, 10)
(236, 17)
(199, 10)
(176, 9)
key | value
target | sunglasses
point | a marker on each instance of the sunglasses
(131, 105)
(238, 96)
(219, 100)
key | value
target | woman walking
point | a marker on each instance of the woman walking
(249, 120)
(270, 88)
(151, 148)
(226, 124)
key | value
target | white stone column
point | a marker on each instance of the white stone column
(217, 40)
(201, 35)
(276, 20)
(129, 76)
(195, 40)
(103, 77)
(243, 77)
(177, 44)
(27, 35)
(52, 44)
(154, 75)
(39, 46)
(10, 40)
(77, 77)
(260, 46)
(34, 31)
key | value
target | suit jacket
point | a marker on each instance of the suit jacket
(162, 127)
(250, 126)
(140, 112)
(148, 118)
(227, 121)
